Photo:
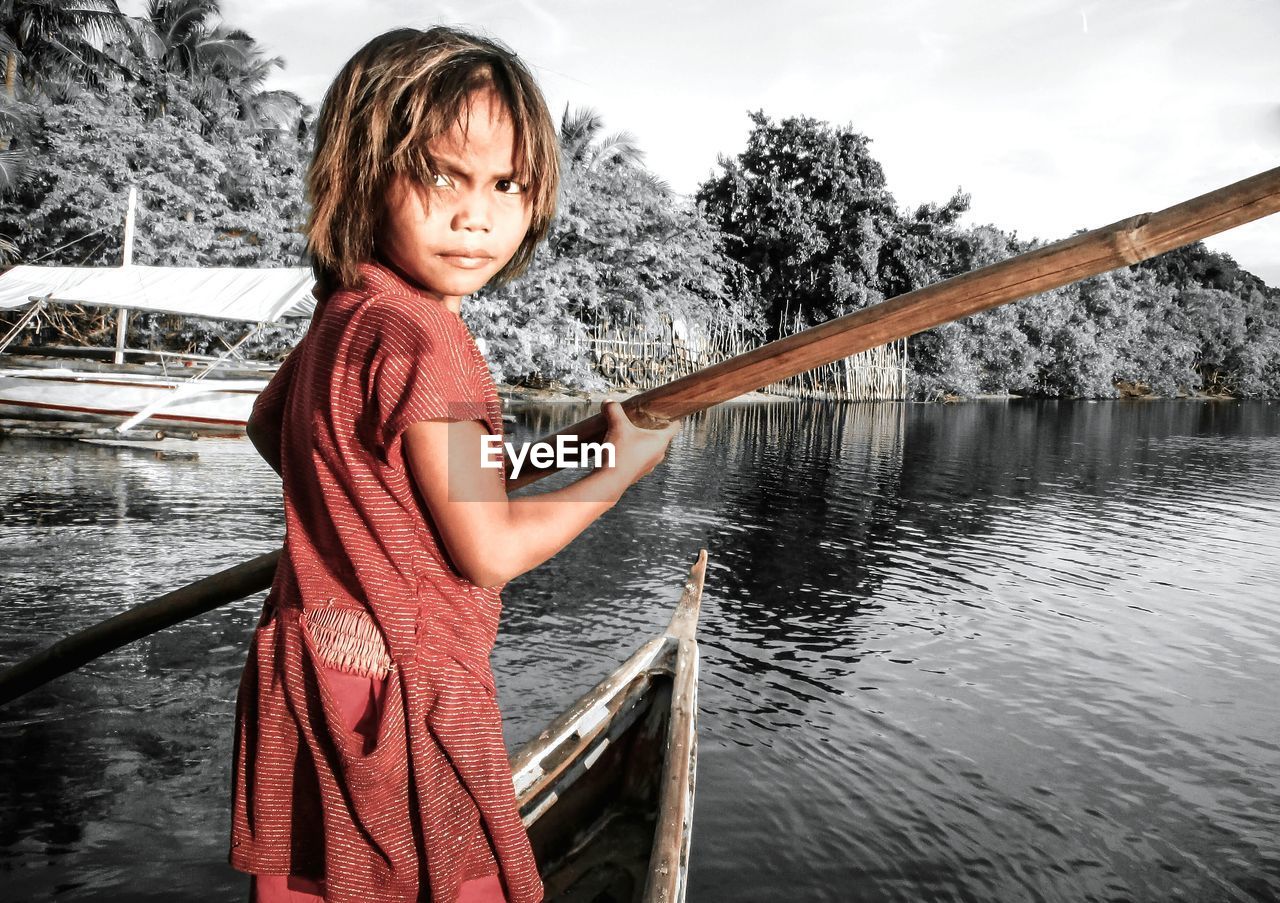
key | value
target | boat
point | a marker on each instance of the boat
(208, 395)
(606, 791)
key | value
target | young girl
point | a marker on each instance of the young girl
(369, 760)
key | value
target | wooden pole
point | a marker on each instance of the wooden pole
(122, 315)
(1053, 266)
(1121, 244)
(191, 600)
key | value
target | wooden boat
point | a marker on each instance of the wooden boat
(606, 791)
(124, 399)
(189, 392)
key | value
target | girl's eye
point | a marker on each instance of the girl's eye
(442, 181)
(509, 186)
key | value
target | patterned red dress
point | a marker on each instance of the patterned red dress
(365, 586)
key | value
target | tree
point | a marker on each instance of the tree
(807, 210)
(581, 146)
(242, 77)
(199, 68)
(988, 352)
(224, 202)
(15, 125)
(927, 246)
(1229, 315)
(48, 47)
(49, 43)
(1155, 345)
(583, 149)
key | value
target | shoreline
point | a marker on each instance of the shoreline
(529, 395)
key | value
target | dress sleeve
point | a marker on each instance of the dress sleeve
(421, 368)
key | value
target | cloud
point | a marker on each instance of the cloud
(557, 34)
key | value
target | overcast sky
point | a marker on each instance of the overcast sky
(1053, 115)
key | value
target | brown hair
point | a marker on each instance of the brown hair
(400, 91)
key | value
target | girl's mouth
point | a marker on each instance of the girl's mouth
(467, 260)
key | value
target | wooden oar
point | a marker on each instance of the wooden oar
(1053, 266)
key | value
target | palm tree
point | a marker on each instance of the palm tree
(224, 68)
(183, 34)
(9, 50)
(14, 162)
(582, 149)
(11, 118)
(50, 43)
(175, 43)
(49, 48)
(242, 75)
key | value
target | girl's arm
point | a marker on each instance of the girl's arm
(263, 430)
(491, 538)
(267, 418)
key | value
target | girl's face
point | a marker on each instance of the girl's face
(452, 237)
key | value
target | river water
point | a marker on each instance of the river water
(994, 651)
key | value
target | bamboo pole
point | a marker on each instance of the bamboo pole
(193, 599)
(1124, 243)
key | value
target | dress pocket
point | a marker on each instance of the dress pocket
(371, 749)
(360, 699)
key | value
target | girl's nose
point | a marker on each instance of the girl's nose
(473, 212)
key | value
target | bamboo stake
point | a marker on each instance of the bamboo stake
(1123, 243)
(193, 599)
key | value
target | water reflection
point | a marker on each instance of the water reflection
(998, 651)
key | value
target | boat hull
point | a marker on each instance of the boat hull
(211, 405)
(606, 791)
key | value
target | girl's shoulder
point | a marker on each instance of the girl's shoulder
(385, 303)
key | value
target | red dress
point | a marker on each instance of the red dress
(364, 585)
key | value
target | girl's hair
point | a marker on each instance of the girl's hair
(400, 91)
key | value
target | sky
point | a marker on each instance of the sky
(1054, 116)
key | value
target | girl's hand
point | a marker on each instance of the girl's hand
(491, 538)
(636, 450)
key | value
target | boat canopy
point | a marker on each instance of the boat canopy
(224, 293)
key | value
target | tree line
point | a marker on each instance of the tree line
(798, 227)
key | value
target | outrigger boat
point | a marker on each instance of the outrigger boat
(164, 389)
(606, 791)
(133, 385)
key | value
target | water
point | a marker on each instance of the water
(989, 651)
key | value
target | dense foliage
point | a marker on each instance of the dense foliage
(171, 103)
(227, 199)
(806, 208)
(797, 228)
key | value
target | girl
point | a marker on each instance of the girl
(369, 760)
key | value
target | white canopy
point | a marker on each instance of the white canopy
(224, 293)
